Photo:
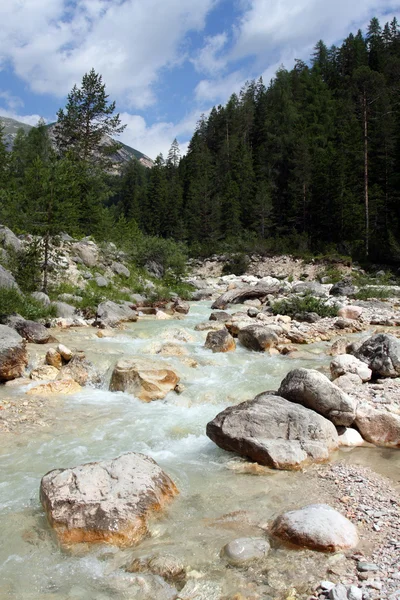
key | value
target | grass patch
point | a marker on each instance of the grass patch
(373, 293)
(11, 301)
(306, 304)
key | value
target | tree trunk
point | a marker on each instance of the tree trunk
(366, 200)
(46, 261)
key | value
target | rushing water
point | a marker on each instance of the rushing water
(97, 424)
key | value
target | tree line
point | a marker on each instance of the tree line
(309, 163)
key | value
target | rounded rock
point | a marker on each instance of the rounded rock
(244, 550)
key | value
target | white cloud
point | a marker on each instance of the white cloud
(52, 43)
(28, 119)
(209, 59)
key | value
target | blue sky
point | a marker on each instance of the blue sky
(165, 62)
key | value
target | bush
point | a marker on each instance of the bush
(306, 304)
(172, 256)
(370, 293)
(11, 301)
(236, 265)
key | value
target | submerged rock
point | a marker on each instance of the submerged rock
(61, 386)
(165, 565)
(13, 354)
(318, 527)
(45, 372)
(312, 389)
(107, 501)
(274, 432)
(147, 380)
(245, 550)
(381, 353)
(220, 341)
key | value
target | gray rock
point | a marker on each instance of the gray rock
(257, 337)
(87, 252)
(33, 332)
(245, 550)
(101, 281)
(198, 589)
(7, 280)
(316, 526)
(307, 317)
(180, 306)
(69, 298)
(365, 567)
(310, 287)
(107, 501)
(381, 353)
(338, 592)
(348, 382)
(64, 310)
(378, 427)
(343, 288)
(110, 314)
(13, 354)
(220, 315)
(248, 292)
(313, 390)
(154, 269)
(346, 363)
(120, 269)
(274, 432)
(203, 294)
(253, 312)
(41, 297)
(8, 238)
(138, 299)
(220, 341)
(354, 593)
(65, 237)
(137, 586)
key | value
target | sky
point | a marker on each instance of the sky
(164, 62)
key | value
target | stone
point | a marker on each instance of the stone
(274, 432)
(154, 269)
(80, 370)
(110, 314)
(13, 354)
(366, 567)
(221, 316)
(244, 550)
(253, 312)
(346, 363)
(62, 386)
(348, 382)
(354, 593)
(53, 358)
(351, 438)
(201, 590)
(120, 269)
(33, 332)
(310, 287)
(339, 347)
(101, 281)
(180, 306)
(166, 566)
(45, 372)
(88, 253)
(344, 323)
(64, 310)
(145, 379)
(338, 592)
(317, 527)
(312, 389)
(378, 427)
(220, 341)
(350, 312)
(132, 586)
(258, 338)
(209, 326)
(108, 501)
(7, 280)
(343, 288)
(381, 353)
(65, 352)
(41, 297)
(162, 316)
(239, 295)
(8, 238)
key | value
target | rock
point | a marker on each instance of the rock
(338, 592)
(381, 353)
(143, 586)
(13, 354)
(166, 566)
(108, 501)
(147, 380)
(201, 590)
(110, 314)
(378, 427)
(348, 382)
(366, 567)
(253, 312)
(154, 269)
(7, 280)
(343, 288)
(45, 372)
(354, 593)
(62, 386)
(351, 438)
(199, 295)
(350, 312)
(8, 238)
(346, 363)
(274, 432)
(162, 316)
(64, 310)
(41, 297)
(220, 341)
(88, 253)
(53, 358)
(209, 326)
(313, 390)
(257, 337)
(310, 287)
(65, 352)
(181, 307)
(80, 370)
(70, 298)
(239, 295)
(138, 299)
(101, 281)
(221, 316)
(33, 332)
(245, 550)
(307, 317)
(318, 527)
(339, 347)
(120, 269)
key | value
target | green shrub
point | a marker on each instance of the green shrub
(305, 304)
(11, 301)
(236, 265)
(369, 293)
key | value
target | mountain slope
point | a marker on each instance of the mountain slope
(123, 155)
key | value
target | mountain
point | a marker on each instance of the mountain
(123, 155)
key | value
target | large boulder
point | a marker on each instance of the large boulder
(220, 341)
(318, 527)
(181, 307)
(87, 252)
(7, 280)
(378, 427)
(239, 295)
(8, 238)
(350, 312)
(343, 288)
(108, 501)
(13, 354)
(310, 287)
(110, 314)
(220, 315)
(257, 337)
(146, 379)
(41, 297)
(80, 370)
(64, 310)
(120, 269)
(33, 332)
(155, 269)
(381, 353)
(313, 390)
(274, 432)
(346, 363)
